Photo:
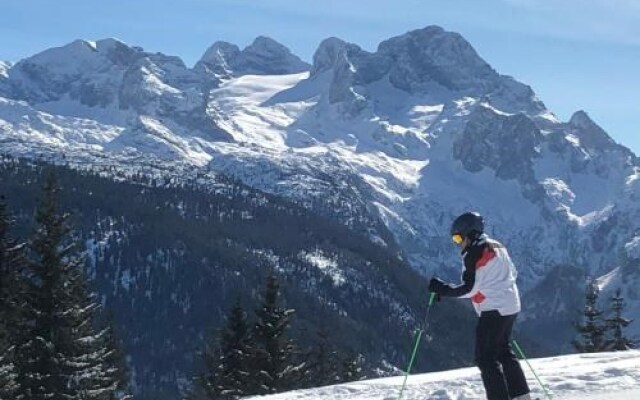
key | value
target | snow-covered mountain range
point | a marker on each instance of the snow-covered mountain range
(416, 132)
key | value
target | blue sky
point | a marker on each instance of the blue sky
(576, 54)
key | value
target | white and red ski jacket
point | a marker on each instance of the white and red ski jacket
(488, 278)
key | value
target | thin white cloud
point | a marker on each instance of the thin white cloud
(614, 21)
(604, 21)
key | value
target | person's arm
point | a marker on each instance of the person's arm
(468, 286)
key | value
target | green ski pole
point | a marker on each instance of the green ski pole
(416, 344)
(521, 353)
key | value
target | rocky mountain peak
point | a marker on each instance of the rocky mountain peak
(94, 73)
(580, 119)
(428, 60)
(327, 54)
(433, 55)
(590, 134)
(268, 47)
(118, 52)
(67, 59)
(50, 74)
(81, 56)
(107, 44)
(218, 58)
(264, 56)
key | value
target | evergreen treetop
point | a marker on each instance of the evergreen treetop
(592, 331)
(62, 355)
(616, 324)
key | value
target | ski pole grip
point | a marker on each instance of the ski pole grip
(432, 298)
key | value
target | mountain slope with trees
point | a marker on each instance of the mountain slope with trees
(168, 260)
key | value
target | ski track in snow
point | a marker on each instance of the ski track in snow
(626, 395)
(603, 376)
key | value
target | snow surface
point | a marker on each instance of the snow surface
(633, 248)
(603, 376)
(4, 66)
(326, 265)
(239, 102)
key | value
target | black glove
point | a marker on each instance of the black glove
(436, 286)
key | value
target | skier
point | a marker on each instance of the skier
(489, 280)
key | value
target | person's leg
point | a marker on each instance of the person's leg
(488, 338)
(516, 381)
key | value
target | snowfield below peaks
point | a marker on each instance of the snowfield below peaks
(239, 107)
(603, 376)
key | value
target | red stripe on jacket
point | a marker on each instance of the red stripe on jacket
(478, 298)
(487, 255)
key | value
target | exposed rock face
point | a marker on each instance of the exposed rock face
(423, 61)
(85, 71)
(268, 57)
(415, 62)
(590, 134)
(218, 60)
(328, 54)
(434, 56)
(264, 56)
(504, 143)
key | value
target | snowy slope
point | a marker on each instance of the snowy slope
(605, 376)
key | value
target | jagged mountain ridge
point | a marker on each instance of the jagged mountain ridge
(264, 56)
(423, 128)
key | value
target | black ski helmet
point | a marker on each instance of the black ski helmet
(468, 224)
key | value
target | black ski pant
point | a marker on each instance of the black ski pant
(501, 372)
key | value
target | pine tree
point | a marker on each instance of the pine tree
(351, 368)
(592, 330)
(8, 384)
(116, 361)
(236, 346)
(226, 362)
(95, 371)
(616, 325)
(43, 371)
(323, 366)
(204, 385)
(62, 357)
(275, 368)
(12, 267)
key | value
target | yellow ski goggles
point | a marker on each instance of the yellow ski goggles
(457, 238)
